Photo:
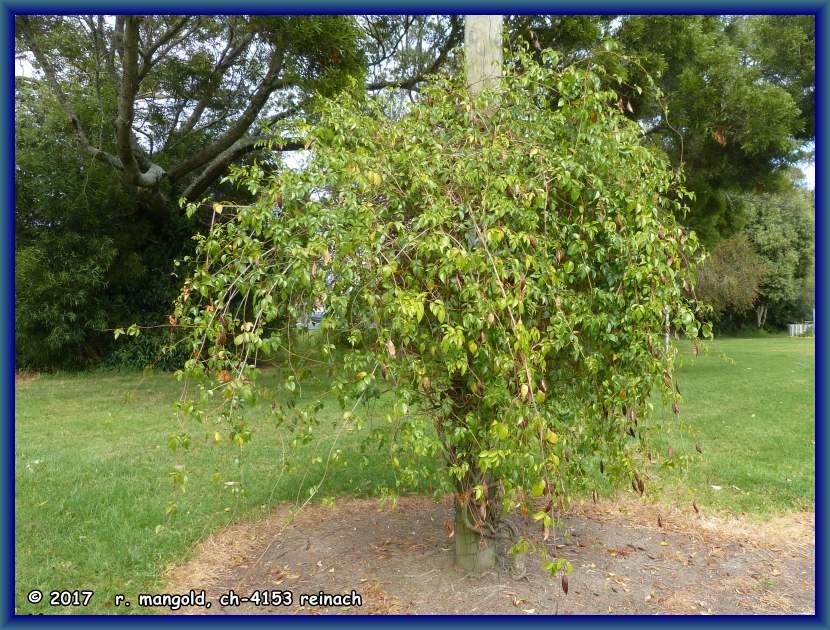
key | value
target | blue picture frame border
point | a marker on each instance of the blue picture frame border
(7, 12)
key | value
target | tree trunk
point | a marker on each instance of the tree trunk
(761, 314)
(474, 552)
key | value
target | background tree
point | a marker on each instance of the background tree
(182, 97)
(87, 256)
(737, 101)
(730, 278)
(781, 228)
(122, 115)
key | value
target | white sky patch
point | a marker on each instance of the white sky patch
(809, 170)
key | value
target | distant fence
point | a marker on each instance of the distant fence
(800, 330)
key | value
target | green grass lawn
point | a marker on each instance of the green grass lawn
(749, 403)
(92, 465)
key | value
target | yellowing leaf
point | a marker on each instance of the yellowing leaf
(551, 436)
(524, 390)
(217, 208)
(473, 347)
(374, 178)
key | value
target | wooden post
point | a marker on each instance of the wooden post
(475, 550)
(482, 51)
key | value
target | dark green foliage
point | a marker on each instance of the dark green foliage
(727, 117)
(737, 99)
(781, 227)
(95, 251)
(89, 255)
(159, 349)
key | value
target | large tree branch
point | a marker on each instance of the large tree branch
(243, 123)
(167, 41)
(24, 27)
(221, 162)
(213, 82)
(453, 39)
(126, 112)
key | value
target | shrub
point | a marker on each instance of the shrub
(517, 270)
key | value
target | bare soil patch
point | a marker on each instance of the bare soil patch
(400, 560)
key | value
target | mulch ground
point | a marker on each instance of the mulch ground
(400, 561)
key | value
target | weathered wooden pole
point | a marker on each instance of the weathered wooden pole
(475, 551)
(482, 51)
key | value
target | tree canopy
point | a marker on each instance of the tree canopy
(145, 110)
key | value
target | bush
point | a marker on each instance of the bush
(158, 349)
(517, 269)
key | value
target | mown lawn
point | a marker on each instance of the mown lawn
(92, 465)
(749, 403)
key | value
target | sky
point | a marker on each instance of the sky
(809, 170)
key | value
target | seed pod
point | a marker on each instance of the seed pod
(675, 407)
(633, 415)
(594, 495)
(559, 256)
(694, 505)
(671, 452)
(565, 583)
(543, 386)
(631, 432)
(641, 486)
(390, 348)
(659, 521)
(601, 467)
